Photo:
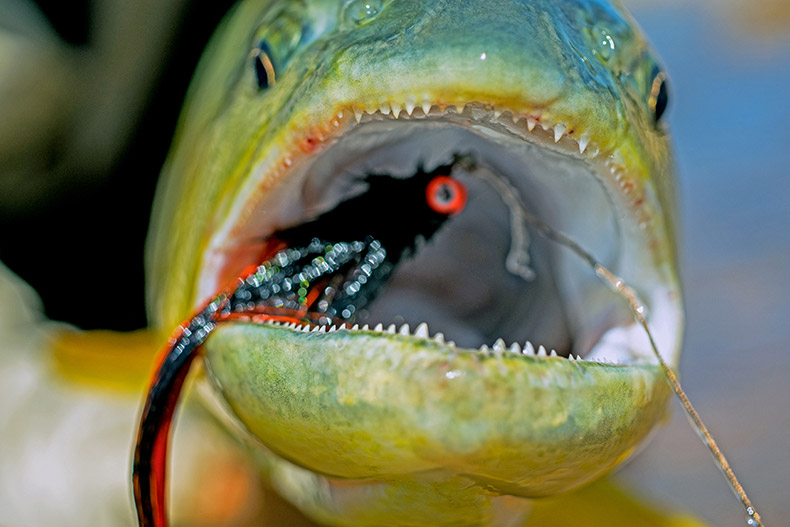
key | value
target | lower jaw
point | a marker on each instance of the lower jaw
(370, 422)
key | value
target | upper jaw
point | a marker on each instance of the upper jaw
(317, 153)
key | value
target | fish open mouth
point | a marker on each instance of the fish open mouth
(362, 417)
(487, 279)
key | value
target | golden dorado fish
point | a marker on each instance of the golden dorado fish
(310, 127)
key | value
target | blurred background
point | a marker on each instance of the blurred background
(90, 92)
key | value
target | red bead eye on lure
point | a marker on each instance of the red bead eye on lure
(446, 195)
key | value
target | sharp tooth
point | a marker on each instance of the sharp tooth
(451, 343)
(332, 329)
(553, 353)
(342, 326)
(422, 331)
(579, 357)
(584, 140)
(391, 329)
(426, 107)
(541, 351)
(530, 123)
(384, 109)
(323, 329)
(515, 117)
(365, 327)
(357, 114)
(404, 329)
(499, 345)
(559, 131)
(379, 327)
(409, 108)
(529, 349)
(515, 348)
(497, 113)
(396, 109)
(314, 329)
(439, 337)
(459, 108)
(570, 357)
(355, 327)
(484, 348)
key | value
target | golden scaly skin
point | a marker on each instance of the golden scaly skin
(374, 431)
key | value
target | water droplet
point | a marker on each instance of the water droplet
(361, 11)
(605, 45)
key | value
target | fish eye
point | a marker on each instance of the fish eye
(446, 195)
(264, 67)
(659, 95)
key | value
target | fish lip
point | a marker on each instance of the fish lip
(307, 142)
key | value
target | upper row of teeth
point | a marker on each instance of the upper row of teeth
(421, 331)
(394, 109)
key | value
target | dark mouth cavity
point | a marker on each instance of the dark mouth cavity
(414, 250)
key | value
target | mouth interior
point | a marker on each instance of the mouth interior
(459, 282)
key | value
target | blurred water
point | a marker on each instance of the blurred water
(728, 116)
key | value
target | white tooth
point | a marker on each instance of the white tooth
(451, 343)
(529, 349)
(379, 327)
(570, 356)
(515, 348)
(484, 348)
(530, 123)
(559, 131)
(396, 109)
(515, 118)
(553, 353)
(459, 108)
(541, 351)
(439, 337)
(355, 327)
(343, 326)
(391, 329)
(426, 107)
(315, 329)
(404, 329)
(332, 329)
(579, 357)
(365, 327)
(422, 331)
(584, 140)
(384, 109)
(497, 113)
(409, 108)
(357, 114)
(323, 329)
(499, 345)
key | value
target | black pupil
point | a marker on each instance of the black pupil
(444, 194)
(662, 99)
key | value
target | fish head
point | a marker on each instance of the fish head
(559, 105)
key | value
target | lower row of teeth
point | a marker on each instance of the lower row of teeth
(421, 331)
